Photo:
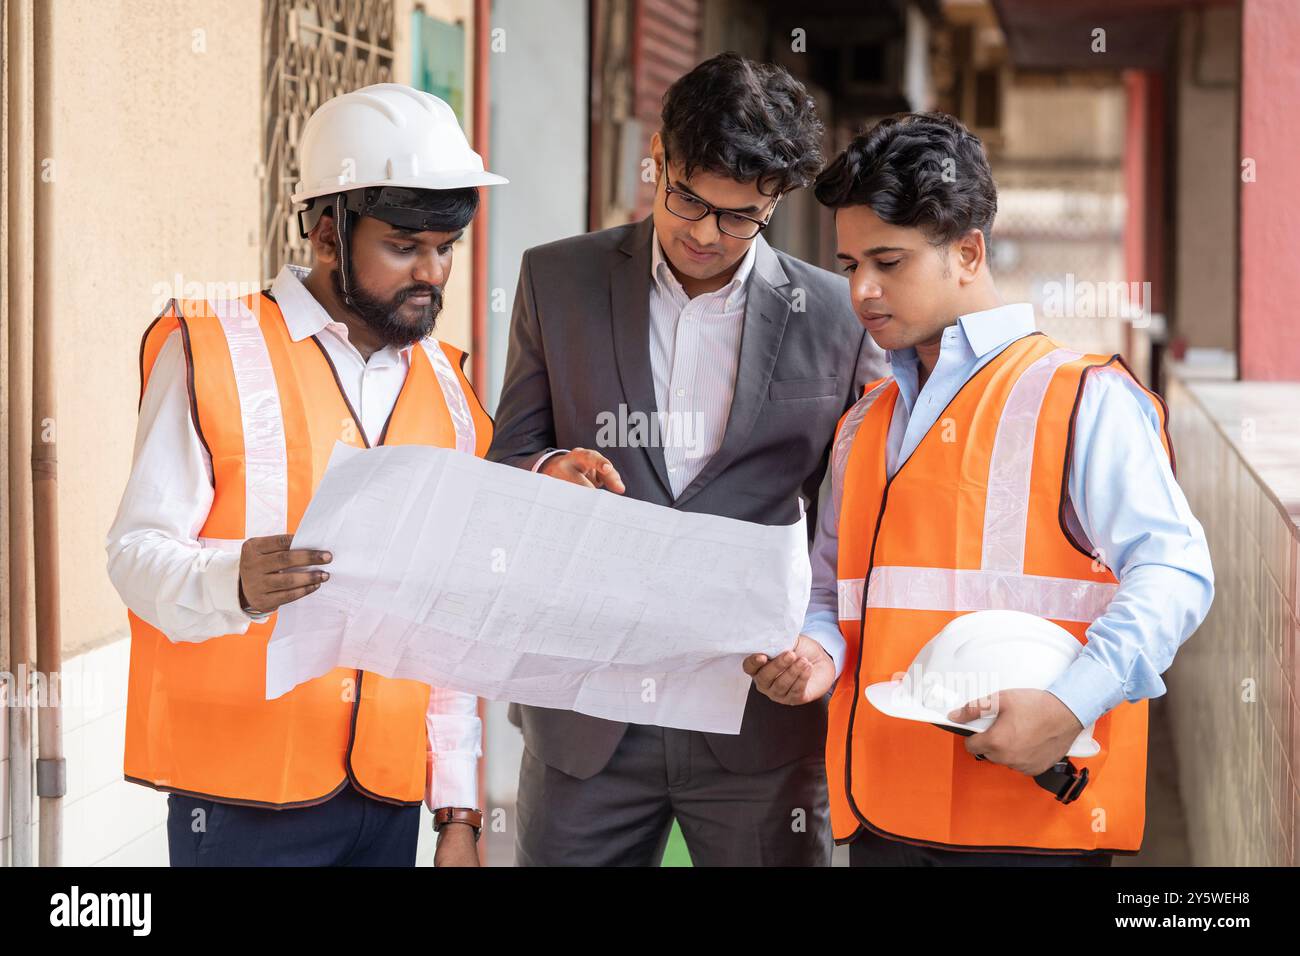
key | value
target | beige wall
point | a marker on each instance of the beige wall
(1207, 177)
(1042, 120)
(152, 172)
(154, 175)
(156, 147)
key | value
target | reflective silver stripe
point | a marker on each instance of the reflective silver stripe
(266, 464)
(461, 418)
(943, 589)
(844, 440)
(850, 598)
(1000, 583)
(1006, 503)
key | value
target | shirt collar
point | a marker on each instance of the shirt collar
(662, 274)
(303, 315)
(992, 328)
(980, 333)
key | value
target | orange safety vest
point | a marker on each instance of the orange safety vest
(269, 411)
(976, 519)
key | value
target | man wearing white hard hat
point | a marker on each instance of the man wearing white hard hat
(242, 402)
(1006, 552)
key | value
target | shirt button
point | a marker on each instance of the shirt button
(672, 468)
(681, 392)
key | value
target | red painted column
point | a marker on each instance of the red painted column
(1269, 328)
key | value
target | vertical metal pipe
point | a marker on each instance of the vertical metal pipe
(20, 183)
(482, 112)
(51, 772)
(481, 128)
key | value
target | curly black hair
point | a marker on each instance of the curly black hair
(752, 122)
(916, 169)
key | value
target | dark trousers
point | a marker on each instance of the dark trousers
(868, 849)
(349, 829)
(622, 816)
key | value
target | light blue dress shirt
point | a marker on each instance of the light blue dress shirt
(1122, 490)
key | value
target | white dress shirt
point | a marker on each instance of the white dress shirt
(1121, 489)
(191, 592)
(694, 357)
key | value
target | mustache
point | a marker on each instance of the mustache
(433, 291)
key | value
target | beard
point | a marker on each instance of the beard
(383, 316)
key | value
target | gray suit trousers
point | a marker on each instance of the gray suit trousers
(623, 815)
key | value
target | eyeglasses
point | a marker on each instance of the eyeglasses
(683, 205)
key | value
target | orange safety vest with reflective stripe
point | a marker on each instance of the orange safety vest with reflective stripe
(269, 410)
(976, 519)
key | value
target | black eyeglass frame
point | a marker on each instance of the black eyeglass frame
(670, 190)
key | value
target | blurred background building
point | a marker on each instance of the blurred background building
(1143, 151)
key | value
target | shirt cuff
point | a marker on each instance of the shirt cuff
(453, 781)
(550, 454)
(1088, 688)
(455, 744)
(831, 639)
(221, 578)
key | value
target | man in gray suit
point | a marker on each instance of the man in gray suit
(740, 359)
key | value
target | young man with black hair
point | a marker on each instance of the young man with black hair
(746, 357)
(993, 470)
(243, 401)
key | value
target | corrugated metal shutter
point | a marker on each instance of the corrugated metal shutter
(665, 45)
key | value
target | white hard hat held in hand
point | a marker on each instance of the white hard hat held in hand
(386, 135)
(975, 656)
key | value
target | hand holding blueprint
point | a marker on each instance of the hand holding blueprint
(489, 579)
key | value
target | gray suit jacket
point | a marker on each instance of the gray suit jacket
(579, 346)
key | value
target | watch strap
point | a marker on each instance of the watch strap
(445, 815)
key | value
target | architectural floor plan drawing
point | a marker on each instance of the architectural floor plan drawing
(489, 579)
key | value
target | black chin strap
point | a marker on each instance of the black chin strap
(341, 232)
(1063, 779)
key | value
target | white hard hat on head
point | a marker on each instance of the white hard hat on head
(386, 135)
(975, 656)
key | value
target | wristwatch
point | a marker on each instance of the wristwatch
(447, 815)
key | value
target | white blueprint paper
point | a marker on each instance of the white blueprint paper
(490, 579)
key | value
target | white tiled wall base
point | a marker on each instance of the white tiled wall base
(107, 821)
(1233, 686)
